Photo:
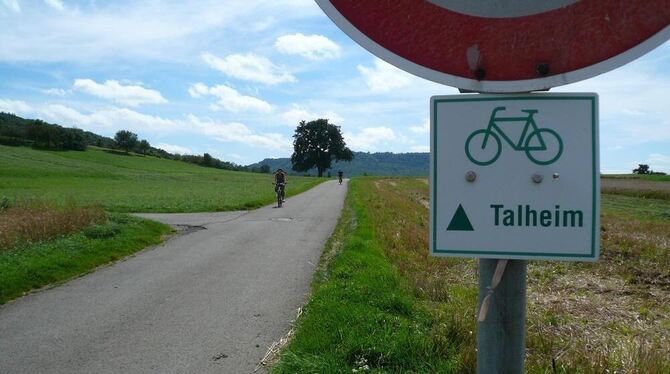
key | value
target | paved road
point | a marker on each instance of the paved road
(210, 301)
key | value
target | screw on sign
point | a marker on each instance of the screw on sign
(504, 45)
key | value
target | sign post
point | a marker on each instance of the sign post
(513, 177)
(501, 336)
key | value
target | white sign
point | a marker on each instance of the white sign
(515, 176)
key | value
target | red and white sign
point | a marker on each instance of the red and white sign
(504, 45)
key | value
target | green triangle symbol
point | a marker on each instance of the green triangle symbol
(460, 221)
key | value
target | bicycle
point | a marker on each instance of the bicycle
(540, 154)
(279, 189)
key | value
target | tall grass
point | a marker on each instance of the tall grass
(32, 221)
(612, 316)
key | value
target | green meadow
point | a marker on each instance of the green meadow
(133, 183)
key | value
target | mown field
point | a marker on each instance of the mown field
(381, 304)
(133, 183)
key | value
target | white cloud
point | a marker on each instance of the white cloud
(369, 138)
(56, 4)
(297, 113)
(13, 5)
(239, 133)
(424, 128)
(123, 94)
(313, 47)
(420, 148)
(229, 98)
(171, 148)
(633, 103)
(658, 162)
(56, 92)
(108, 120)
(384, 77)
(250, 67)
(14, 106)
(93, 31)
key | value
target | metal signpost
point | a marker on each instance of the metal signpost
(516, 176)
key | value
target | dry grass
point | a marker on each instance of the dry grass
(32, 221)
(611, 316)
(657, 189)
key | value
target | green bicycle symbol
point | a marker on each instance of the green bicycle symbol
(542, 146)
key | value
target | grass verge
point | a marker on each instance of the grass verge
(609, 316)
(361, 315)
(32, 266)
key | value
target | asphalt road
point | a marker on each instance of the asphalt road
(209, 301)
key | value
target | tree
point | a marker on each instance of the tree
(207, 160)
(265, 168)
(125, 140)
(144, 147)
(316, 144)
(642, 169)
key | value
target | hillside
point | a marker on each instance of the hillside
(132, 183)
(364, 163)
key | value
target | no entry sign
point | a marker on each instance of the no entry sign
(504, 45)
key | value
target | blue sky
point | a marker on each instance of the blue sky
(233, 78)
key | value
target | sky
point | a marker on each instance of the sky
(234, 78)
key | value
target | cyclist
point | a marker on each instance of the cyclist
(279, 181)
(339, 175)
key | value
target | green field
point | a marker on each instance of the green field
(381, 304)
(133, 183)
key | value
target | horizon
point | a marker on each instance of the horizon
(234, 80)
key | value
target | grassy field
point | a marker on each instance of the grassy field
(645, 186)
(30, 266)
(609, 316)
(133, 183)
(644, 177)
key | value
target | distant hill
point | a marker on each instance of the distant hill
(364, 163)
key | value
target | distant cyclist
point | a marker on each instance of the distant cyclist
(279, 182)
(340, 174)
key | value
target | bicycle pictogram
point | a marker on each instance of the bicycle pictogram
(542, 146)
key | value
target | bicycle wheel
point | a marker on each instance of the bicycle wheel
(480, 153)
(279, 198)
(543, 146)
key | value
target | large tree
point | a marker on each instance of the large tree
(316, 144)
(125, 140)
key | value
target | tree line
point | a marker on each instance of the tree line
(316, 143)
(17, 131)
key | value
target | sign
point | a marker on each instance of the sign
(515, 176)
(504, 45)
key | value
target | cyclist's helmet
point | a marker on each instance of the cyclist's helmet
(280, 170)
